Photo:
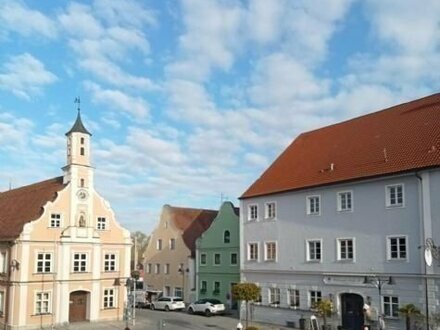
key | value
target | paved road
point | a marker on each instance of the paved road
(148, 319)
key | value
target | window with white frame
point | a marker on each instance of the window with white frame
(270, 251)
(178, 292)
(252, 251)
(109, 298)
(79, 262)
(167, 290)
(313, 205)
(166, 268)
(390, 306)
(42, 302)
(203, 286)
(397, 248)
(217, 259)
(270, 210)
(3, 262)
(314, 250)
(109, 262)
(234, 258)
(346, 249)
(394, 195)
(293, 297)
(345, 201)
(149, 268)
(203, 258)
(157, 269)
(274, 296)
(159, 244)
(315, 297)
(55, 220)
(253, 212)
(172, 244)
(44, 262)
(101, 223)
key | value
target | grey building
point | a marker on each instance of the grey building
(349, 213)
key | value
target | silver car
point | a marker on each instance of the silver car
(207, 306)
(168, 304)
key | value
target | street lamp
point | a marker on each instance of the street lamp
(379, 282)
(182, 271)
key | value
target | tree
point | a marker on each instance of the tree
(410, 312)
(246, 292)
(140, 243)
(324, 308)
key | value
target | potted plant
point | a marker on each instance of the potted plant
(324, 309)
(410, 312)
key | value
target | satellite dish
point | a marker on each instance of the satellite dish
(428, 256)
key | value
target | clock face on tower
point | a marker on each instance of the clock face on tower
(82, 195)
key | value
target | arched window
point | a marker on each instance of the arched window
(226, 236)
(82, 182)
(82, 140)
(82, 151)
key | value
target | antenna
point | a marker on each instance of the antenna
(78, 101)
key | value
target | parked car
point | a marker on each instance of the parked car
(207, 306)
(168, 304)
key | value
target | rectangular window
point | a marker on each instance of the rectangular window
(345, 249)
(274, 296)
(234, 259)
(178, 292)
(390, 306)
(149, 268)
(270, 251)
(166, 268)
(397, 248)
(315, 297)
(293, 296)
(345, 201)
(79, 262)
(109, 298)
(167, 290)
(203, 286)
(2, 302)
(172, 244)
(42, 302)
(157, 269)
(216, 287)
(44, 262)
(314, 250)
(270, 210)
(217, 259)
(3, 262)
(253, 212)
(253, 251)
(159, 244)
(55, 220)
(313, 205)
(203, 258)
(110, 262)
(394, 195)
(101, 223)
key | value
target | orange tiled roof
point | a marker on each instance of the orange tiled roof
(21, 205)
(193, 223)
(401, 138)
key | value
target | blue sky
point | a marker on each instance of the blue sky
(189, 101)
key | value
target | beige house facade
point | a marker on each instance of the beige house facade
(63, 256)
(169, 259)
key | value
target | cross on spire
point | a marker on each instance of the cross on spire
(78, 101)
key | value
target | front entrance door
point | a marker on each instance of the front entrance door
(78, 306)
(352, 312)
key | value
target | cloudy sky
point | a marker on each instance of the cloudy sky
(189, 101)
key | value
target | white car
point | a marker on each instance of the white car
(168, 304)
(207, 306)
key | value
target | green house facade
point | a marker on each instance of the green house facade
(217, 257)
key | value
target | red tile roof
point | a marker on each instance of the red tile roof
(401, 138)
(193, 223)
(25, 204)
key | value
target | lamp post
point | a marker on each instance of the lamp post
(379, 282)
(182, 271)
(117, 284)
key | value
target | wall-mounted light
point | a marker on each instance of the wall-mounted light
(15, 265)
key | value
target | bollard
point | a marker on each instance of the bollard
(239, 326)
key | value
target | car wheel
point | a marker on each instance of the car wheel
(208, 313)
(167, 309)
(190, 311)
(152, 307)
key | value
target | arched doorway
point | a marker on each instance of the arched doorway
(78, 304)
(352, 312)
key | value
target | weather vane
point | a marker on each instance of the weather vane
(78, 101)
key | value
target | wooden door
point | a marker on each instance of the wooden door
(78, 306)
(352, 313)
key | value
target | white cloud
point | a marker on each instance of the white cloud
(79, 21)
(16, 17)
(14, 132)
(264, 19)
(24, 75)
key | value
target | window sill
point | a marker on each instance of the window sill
(270, 219)
(390, 207)
(42, 314)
